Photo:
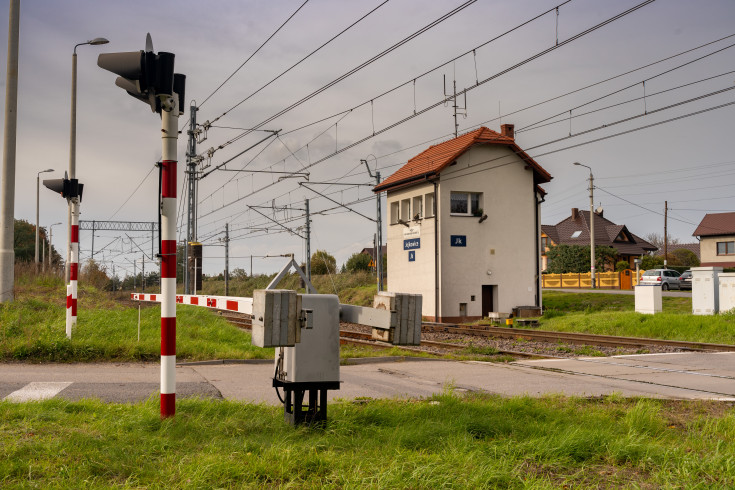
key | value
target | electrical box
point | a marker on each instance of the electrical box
(316, 357)
(405, 315)
(705, 290)
(276, 318)
(727, 291)
(648, 298)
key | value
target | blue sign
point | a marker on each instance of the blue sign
(458, 240)
(412, 244)
(412, 256)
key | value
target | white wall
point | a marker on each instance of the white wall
(412, 277)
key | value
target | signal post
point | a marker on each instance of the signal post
(150, 77)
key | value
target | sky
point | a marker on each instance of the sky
(618, 99)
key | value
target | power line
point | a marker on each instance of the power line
(254, 53)
(361, 66)
(299, 62)
(437, 104)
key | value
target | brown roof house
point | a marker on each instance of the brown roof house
(464, 228)
(575, 230)
(716, 235)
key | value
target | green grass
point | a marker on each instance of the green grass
(614, 314)
(445, 441)
(32, 328)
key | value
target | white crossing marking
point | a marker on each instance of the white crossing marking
(37, 390)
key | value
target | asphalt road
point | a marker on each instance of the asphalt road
(677, 376)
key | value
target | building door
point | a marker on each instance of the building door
(487, 299)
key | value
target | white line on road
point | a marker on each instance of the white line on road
(37, 391)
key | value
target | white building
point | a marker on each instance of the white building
(464, 226)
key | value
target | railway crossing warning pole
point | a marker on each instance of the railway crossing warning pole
(71, 299)
(227, 259)
(150, 77)
(169, 137)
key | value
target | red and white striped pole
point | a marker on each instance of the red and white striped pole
(169, 135)
(71, 294)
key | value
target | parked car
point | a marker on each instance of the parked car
(685, 281)
(667, 278)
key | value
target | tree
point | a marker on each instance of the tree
(657, 239)
(621, 265)
(94, 274)
(683, 256)
(323, 263)
(576, 258)
(358, 262)
(649, 262)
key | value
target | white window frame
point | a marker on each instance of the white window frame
(469, 202)
(395, 212)
(417, 205)
(429, 205)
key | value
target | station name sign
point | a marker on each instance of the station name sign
(412, 244)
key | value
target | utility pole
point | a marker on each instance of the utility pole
(7, 213)
(379, 221)
(142, 260)
(308, 245)
(191, 162)
(666, 235)
(591, 224)
(227, 259)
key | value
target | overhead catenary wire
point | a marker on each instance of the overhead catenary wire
(359, 67)
(440, 103)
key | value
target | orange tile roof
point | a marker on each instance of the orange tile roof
(435, 158)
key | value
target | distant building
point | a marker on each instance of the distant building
(716, 233)
(575, 230)
(464, 226)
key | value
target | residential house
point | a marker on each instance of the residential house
(716, 233)
(464, 226)
(575, 230)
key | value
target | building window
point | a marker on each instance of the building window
(465, 203)
(394, 212)
(418, 208)
(406, 210)
(429, 201)
(576, 234)
(726, 248)
(544, 244)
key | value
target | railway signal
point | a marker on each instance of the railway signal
(150, 77)
(71, 190)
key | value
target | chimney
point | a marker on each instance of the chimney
(508, 130)
(575, 213)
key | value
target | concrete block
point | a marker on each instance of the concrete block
(648, 298)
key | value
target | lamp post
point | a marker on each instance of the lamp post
(38, 181)
(73, 139)
(592, 225)
(50, 242)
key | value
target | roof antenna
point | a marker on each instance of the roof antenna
(457, 108)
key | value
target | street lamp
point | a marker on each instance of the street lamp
(592, 225)
(73, 138)
(38, 180)
(50, 241)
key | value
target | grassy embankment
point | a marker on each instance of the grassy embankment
(446, 441)
(32, 328)
(614, 314)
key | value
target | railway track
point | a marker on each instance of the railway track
(572, 338)
(361, 338)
